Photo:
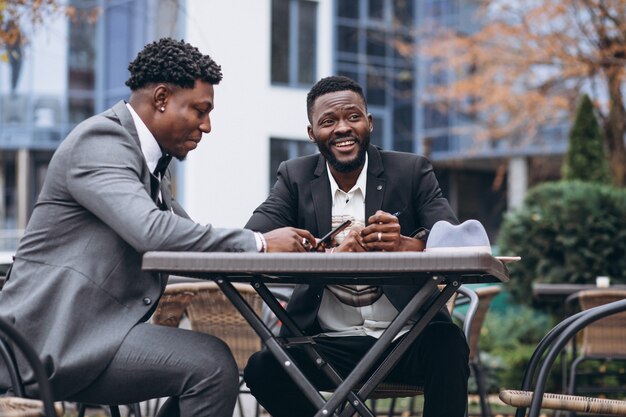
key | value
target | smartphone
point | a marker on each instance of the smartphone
(325, 240)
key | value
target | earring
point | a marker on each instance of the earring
(162, 108)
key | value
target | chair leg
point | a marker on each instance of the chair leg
(411, 407)
(81, 410)
(240, 406)
(392, 408)
(115, 411)
(485, 408)
(571, 388)
(153, 408)
(136, 409)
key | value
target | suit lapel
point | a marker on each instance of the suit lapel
(376, 183)
(375, 193)
(322, 200)
(127, 122)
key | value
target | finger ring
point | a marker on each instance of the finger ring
(380, 236)
(305, 242)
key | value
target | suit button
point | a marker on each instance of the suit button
(147, 301)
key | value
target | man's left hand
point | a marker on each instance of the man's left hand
(383, 234)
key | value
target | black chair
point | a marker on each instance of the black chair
(17, 405)
(553, 343)
(473, 321)
(601, 341)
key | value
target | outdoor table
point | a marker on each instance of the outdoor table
(559, 292)
(425, 269)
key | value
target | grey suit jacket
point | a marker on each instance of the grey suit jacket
(301, 197)
(76, 287)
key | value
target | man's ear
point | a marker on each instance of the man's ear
(309, 131)
(161, 94)
(371, 120)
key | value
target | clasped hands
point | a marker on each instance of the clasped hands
(381, 234)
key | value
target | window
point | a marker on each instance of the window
(294, 42)
(123, 33)
(128, 25)
(365, 51)
(284, 149)
(81, 65)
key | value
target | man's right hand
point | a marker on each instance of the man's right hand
(353, 242)
(289, 239)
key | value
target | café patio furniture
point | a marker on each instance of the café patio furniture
(17, 404)
(485, 296)
(388, 268)
(532, 393)
(603, 340)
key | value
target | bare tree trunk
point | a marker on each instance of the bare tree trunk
(614, 126)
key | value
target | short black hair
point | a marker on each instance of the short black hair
(174, 62)
(330, 85)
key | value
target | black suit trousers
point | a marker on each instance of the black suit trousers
(438, 360)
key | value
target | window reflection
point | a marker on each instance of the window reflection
(294, 42)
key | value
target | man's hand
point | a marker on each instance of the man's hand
(288, 239)
(353, 242)
(383, 234)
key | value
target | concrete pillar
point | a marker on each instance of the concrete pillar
(23, 182)
(517, 181)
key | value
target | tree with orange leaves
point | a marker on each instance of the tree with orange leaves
(530, 60)
(14, 14)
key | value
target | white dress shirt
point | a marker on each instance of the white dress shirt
(149, 146)
(336, 318)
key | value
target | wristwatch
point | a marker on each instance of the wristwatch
(421, 234)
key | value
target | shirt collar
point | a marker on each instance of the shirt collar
(149, 146)
(361, 182)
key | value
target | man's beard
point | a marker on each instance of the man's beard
(345, 167)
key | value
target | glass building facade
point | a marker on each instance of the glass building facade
(371, 41)
(96, 45)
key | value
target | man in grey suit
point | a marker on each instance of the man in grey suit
(77, 290)
(353, 180)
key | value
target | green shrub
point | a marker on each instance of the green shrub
(566, 232)
(507, 341)
(585, 159)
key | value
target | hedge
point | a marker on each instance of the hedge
(566, 232)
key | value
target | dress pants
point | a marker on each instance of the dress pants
(197, 371)
(438, 359)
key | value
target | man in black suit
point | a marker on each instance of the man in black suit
(351, 179)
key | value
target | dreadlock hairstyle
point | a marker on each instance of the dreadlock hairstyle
(330, 85)
(171, 61)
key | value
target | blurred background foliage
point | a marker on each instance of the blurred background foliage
(566, 232)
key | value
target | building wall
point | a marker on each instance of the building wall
(32, 120)
(225, 178)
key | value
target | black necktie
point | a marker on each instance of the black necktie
(161, 165)
(155, 179)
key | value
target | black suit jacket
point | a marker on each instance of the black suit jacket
(301, 197)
